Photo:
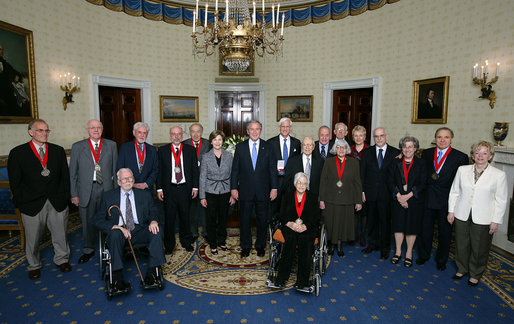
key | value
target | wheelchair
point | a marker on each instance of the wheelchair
(106, 270)
(319, 257)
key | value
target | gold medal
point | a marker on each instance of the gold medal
(299, 221)
(177, 169)
(435, 176)
(98, 167)
(45, 172)
(339, 183)
(140, 168)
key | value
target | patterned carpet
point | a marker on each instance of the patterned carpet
(202, 288)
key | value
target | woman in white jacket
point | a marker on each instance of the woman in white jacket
(477, 204)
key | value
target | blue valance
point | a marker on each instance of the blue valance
(174, 13)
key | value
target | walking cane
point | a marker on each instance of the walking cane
(130, 243)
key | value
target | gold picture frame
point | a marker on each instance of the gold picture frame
(428, 105)
(178, 109)
(224, 71)
(18, 97)
(297, 108)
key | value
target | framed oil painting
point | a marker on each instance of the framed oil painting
(179, 109)
(18, 100)
(430, 101)
(297, 108)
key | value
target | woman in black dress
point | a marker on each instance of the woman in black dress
(406, 181)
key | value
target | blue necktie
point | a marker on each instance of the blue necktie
(380, 158)
(439, 154)
(254, 155)
(285, 154)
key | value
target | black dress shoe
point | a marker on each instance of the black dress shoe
(245, 253)
(65, 267)
(456, 277)
(86, 257)
(441, 266)
(121, 286)
(150, 279)
(420, 261)
(340, 251)
(260, 252)
(34, 274)
(368, 249)
(384, 255)
(472, 284)
(168, 251)
(189, 248)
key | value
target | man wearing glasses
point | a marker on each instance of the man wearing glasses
(40, 185)
(92, 170)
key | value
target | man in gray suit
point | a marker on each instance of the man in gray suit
(92, 170)
(201, 146)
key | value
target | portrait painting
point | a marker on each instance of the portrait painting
(430, 101)
(178, 108)
(297, 108)
(18, 101)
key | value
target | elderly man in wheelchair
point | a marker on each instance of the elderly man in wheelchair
(128, 215)
(297, 229)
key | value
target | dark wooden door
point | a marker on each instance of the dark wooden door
(120, 109)
(353, 107)
(235, 110)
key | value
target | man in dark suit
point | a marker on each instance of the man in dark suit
(374, 168)
(140, 157)
(428, 109)
(142, 226)
(254, 184)
(92, 171)
(40, 185)
(177, 185)
(306, 162)
(284, 147)
(340, 131)
(442, 163)
(322, 146)
(201, 146)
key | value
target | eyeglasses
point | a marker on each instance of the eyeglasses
(127, 179)
(96, 128)
(42, 131)
(299, 183)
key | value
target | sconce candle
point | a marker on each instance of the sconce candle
(69, 84)
(486, 86)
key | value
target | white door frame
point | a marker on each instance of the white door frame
(143, 85)
(261, 109)
(328, 97)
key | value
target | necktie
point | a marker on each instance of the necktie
(285, 154)
(41, 153)
(140, 162)
(380, 158)
(99, 178)
(179, 176)
(128, 214)
(254, 155)
(308, 167)
(439, 154)
(323, 152)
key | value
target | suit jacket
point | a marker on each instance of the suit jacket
(417, 181)
(295, 147)
(295, 165)
(82, 166)
(206, 147)
(254, 184)
(351, 191)
(145, 209)
(29, 188)
(191, 172)
(486, 199)
(427, 111)
(127, 158)
(310, 214)
(317, 152)
(438, 190)
(215, 179)
(374, 180)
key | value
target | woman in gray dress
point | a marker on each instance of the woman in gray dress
(340, 194)
(214, 190)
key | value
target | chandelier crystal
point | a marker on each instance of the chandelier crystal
(238, 35)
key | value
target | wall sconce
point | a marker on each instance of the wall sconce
(487, 88)
(69, 84)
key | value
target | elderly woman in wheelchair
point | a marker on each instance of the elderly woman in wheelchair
(299, 225)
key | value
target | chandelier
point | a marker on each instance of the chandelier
(238, 35)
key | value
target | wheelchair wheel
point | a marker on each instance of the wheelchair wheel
(317, 284)
(108, 288)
